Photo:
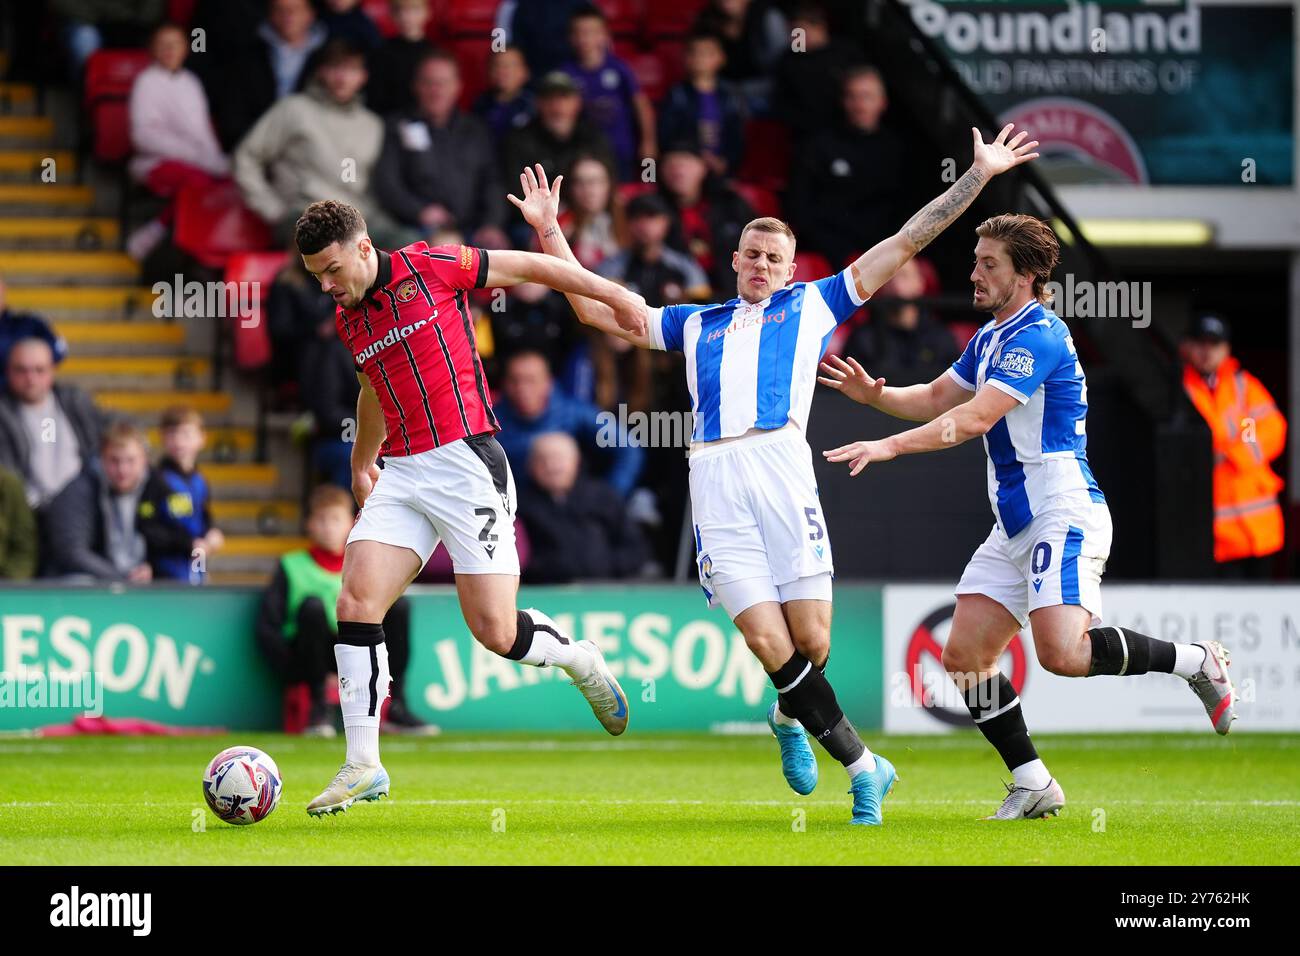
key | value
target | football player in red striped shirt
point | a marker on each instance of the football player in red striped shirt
(424, 408)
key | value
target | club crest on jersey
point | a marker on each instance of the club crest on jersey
(406, 291)
(1018, 363)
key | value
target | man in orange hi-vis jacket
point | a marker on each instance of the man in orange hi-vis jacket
(1249, 432)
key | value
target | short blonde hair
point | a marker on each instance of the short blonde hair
(769, 224)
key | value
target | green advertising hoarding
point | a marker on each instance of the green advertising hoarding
(188, 658)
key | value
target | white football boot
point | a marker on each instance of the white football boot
(353, 782)
(1214, 687)
(603, 693)
(1024, 804)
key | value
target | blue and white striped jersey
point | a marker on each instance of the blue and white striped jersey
(1038, 454)
(754, 365)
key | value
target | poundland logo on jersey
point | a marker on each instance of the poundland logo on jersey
(392, 338)
(74, 908)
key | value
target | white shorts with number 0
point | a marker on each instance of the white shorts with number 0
(461, 493)
(1057, 559)
(756, 513)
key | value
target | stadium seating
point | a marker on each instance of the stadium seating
(213, 224)
(252, 342)
(108, 80)
(764, 201)
(809, 266)
(766, 161)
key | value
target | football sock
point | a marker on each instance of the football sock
(1032, 775)
(782, 719)
(1120, 651)
(804, 693)
(540, 642)
(362, 661)
(995, 708)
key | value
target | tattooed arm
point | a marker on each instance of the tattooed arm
(874, 267)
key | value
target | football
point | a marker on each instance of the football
(242, 785)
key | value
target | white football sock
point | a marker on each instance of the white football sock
(363, 687)
(782, 720)
(865, 763)
(1032, 775)
(551, 647)
(1188, 660)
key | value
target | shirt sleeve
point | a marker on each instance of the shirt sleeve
(963, 371)
(1026, 360)
(841, 294)
(665, 326)
(460, 267)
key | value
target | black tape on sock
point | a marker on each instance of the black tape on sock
(995, 708)
(807, 696)
(523, 637)
(1122, 652)
(358, 634)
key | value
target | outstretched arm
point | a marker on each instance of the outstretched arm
(878, 264)
(541, 206)
(965, 422)
(917, 403)
(510, 267)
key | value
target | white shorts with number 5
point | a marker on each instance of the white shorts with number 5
(461, 493)
(756, 512)
(1057, 559)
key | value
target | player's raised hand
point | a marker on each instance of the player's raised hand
(541, 202)
(859, 454)
(363, 482)
(1002, 154)
(851, 379)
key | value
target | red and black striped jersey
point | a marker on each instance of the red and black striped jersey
(413, 336)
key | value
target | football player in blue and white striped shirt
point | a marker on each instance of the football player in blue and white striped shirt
(751, 364)
(1020, 385)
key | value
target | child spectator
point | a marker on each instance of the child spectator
(506, 104)
(610, 94)
(297, 626)
(392, 66)
(705, 108)
(176, 510)
(171, 133)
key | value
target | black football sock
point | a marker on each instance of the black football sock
(995, 708)
(1119, 651)
(807, 696)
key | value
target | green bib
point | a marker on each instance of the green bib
(308, 579)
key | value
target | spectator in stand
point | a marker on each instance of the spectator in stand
(48, 429)
(438, 168)
(705, 108)
(345, 20)
(175, 514)
(172, 137)
(299, 150)
(593, 220)
(903, 339)
(555, 138)
(297, 627)
(708, 214)
(808, 85)
(297, 314)
(16, 326)
(507, 103)
(540, 29)
(90, 25)
(578, 526)
(329, 388)
(277, 62)
(534, 319)
(392, 66)
(611, 97)
(533, 404)
(754, 36)
(92, 527)
(1248, 432)
(18, 536)
(844, 181)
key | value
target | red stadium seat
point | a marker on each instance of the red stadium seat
(809, 266)
(108, 80)
(625, 16)
(461, 18)
(214, 224)
(252, 341)
(963, 332)
(656, 70)
(764, 201)
(672, 19)
(380, 12)
(181, 11)
(629, 191)
(472, 54)
(767, 154)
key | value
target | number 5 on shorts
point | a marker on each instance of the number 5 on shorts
(817, 532)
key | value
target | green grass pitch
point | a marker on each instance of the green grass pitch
(655, 799)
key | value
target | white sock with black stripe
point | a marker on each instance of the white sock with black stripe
(539, 641)
(363, 687)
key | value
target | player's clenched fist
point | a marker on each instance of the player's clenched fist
(363, 482)
(850, 379)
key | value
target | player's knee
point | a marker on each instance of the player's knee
(496, 632)
(960, 659)
(767, 646)
(816, 647)
(352, 606)
(1056, 659)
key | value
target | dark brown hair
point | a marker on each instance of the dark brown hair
(327, 221)
(1030, 242)
(329, 496)
(177, 415)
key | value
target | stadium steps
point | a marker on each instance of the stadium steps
(135, 372)
(255, 516)
(27, 165)
(41, 266)
(17, 99)
(84, 303)
(149, 404)
(58, 232)
(110, 338)
(37, 198)
(226, 443)
(253, 556)
(25, 130)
